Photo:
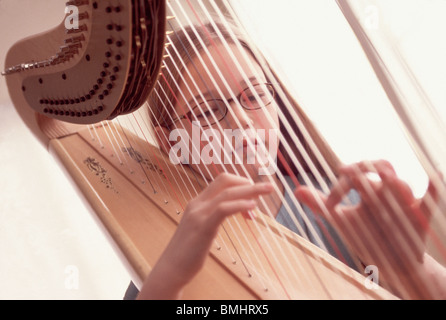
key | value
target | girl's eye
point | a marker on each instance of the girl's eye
(253, 97)
(208, 113)
(206, 109)
(205, 114)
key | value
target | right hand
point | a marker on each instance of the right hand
(190, 245)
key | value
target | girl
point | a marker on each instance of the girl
(215, 83)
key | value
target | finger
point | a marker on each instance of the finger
(366, 167)
(431, 197)
(339, 190)
(356, 175)
(383, 165)
(345, 218)
(227, 208)
(250, 214)
(312, 198)
(428, 204)
(392, 196)
(399, 189)
(223, 180)
(402, 203)
(244, 192)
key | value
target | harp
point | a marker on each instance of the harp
(132, 186)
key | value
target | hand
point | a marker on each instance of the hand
(388, 227)
(189, 246)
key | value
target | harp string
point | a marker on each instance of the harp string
(394, 75)
(231, 240)
(171, 187)
(295, 139)
(174, 96)
(362, 234)
(230, 110)
(170, 116)
(122, 144)
(193, 146)
(112, 139)
(212, 177)
(182, 168)
(406, 111)
(224, 41)
(316, 173)
(196, 192)
(97, 136)
(146, 173)
(322, 227)
(406, 114)
(235, 233)
(177, 169)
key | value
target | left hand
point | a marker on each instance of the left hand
(388, 227)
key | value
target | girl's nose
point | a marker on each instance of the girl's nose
(243, 116)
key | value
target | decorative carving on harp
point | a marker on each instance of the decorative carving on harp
(140, 72)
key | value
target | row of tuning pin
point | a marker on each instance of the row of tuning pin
(167, 44)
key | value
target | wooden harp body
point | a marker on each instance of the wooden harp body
(141, 215)
(113, 62)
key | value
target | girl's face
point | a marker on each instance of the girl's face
(247, 113)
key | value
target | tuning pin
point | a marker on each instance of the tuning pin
(138, 41)
(143, 23)
(161, 70)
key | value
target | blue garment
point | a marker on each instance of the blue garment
(322, 228)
